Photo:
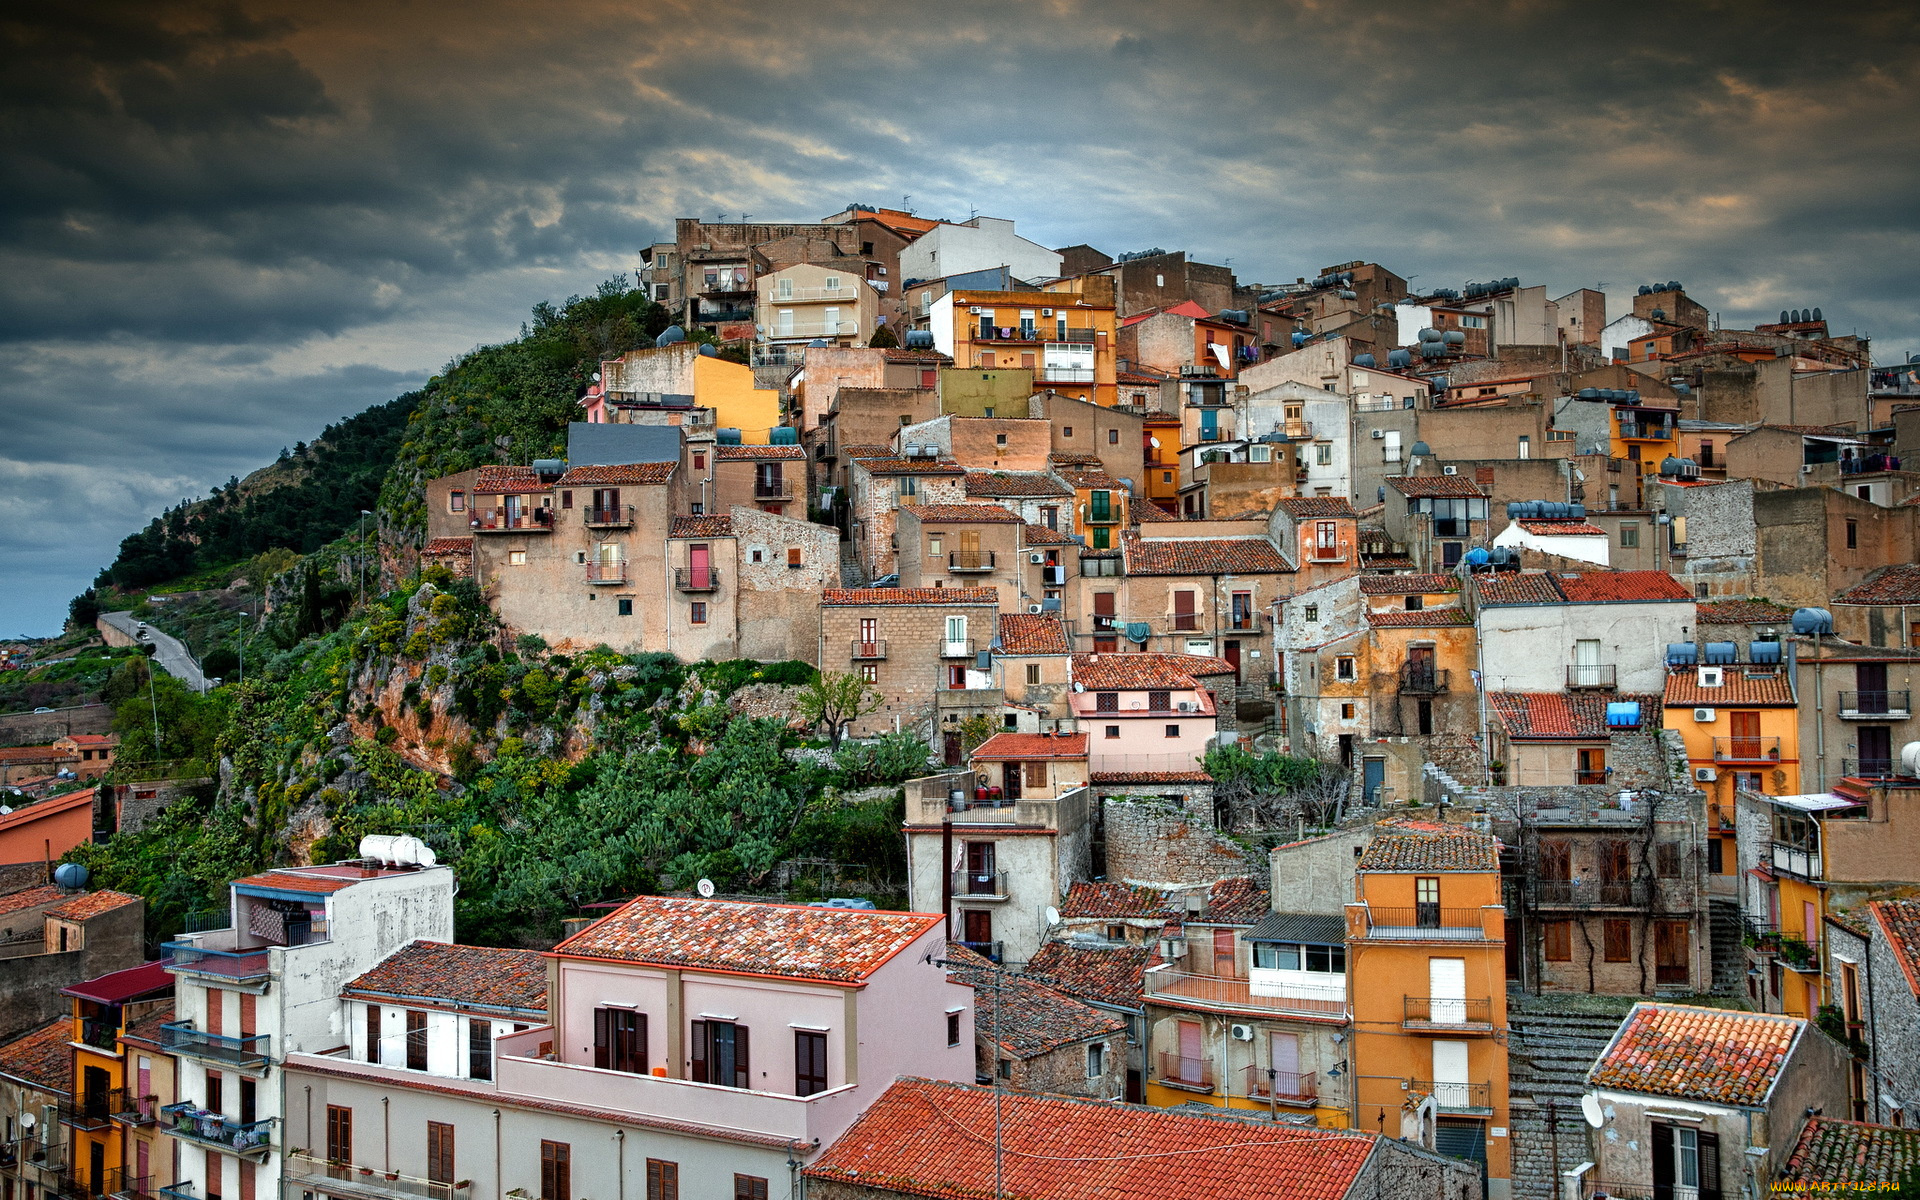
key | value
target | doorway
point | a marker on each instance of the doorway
(1373, 775)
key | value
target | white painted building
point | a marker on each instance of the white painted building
(1548, 631)
(1567, 539)
(976, 245)
(1324, 417)
(1618, 334)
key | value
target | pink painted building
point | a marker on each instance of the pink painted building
(1147, 712)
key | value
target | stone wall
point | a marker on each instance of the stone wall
(38, 729)
(779, 604)
(138, 803)
(1401, 1171)
(1893, 1030)
(1153, 843)
(1062, 1071)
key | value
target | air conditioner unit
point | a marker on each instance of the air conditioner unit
(1703, 715)
(1036, 558)
(1705, 774)
(1184, 706)
(1449, 470)
(1173, 947)
(1046, 312)
(1242, 1033)
(1035, 609)
(1379, 435)
(976, 311)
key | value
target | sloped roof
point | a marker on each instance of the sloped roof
(502, 481)
(635, 474)
(437, 972)
(1832, 1152)
(1429, 848)
(1527, 587)
(297, 881)
(1024, 633)
(1151, 672)
(1742, 687)
(1562, 528)
(1015, 483)
(1236, 900)
(888, 465)
(92, 904)
(1620, 587)
(1713, 1054)
(1202, 556)
(1558, 716)
(961, 513)
(26, 898)
(709, 525)
(1002, 747)
(42, 1058)
(441, 547)
(1899, 922)
(1032, 1018)
(1318, 929)
(1408, 585)
(757, 453)
(1421, 486)
(1116, 900)
(1899, 584)
(1318, 506)
(1104, 975)
(896, 595)
(1742, 612)
(1426, 618)
(1040, 535)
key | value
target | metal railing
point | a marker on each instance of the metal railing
(368, 1180)
(1569, 893)
(1606, 1189)
(959, 649)
(1590, 777)
(980, 883)
(182, 1189)
(1803, 861)
(1263, 1083)
(1066, 374)
(970, 560)
(101, 1035)
(136, 1110)
(619, 516)
(773, 489)
(1454, 1097)
(1420, 678)
(1874, 704)
(1230, 992)
(686, 579)
(1448, 1011)
(867, 651)
(1746, 749)
(849, 292)
(719, 315)
(129, 1185)
(1646, 431)
(499, 520)
(1247, 623)
(1109, 515)
(986, 950)
(215, 1129)
(249, 1053)
(1867, 768)
(1591, 675)
(50, 1157)
(1426, 922)
(73, 1182)
(234, 965)
(92, 1110)
(607, 572)
(1185, 1072)
(1032, 333)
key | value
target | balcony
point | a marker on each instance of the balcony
(726, 281)
(195, 1124)
(1247, 623)
(339, 1179)
(1719, 818)
(1646, 431)
(959, 649)
(1266, 991)
(1446, 1014)
(1746, 749)
(962, 561)
(1803, 861)
(814, 329)
(136, 1110)
(1106, 514)
(1189, 1074)
(74, 1184)
(1426, 923)
(1874, 706)
(499, 520)
(868, 651)
(238, 1053)
(1591, 675)
(778, 490)
(849, 293)
(722, 316)
(92, 1110)
(606, 572)
(1423, 679)
(201, 956)
(1033, 333)
(1474, 1099)
(181, 1190)
(1867, 768)
(1593, 778)
(979, 885)
(1602, 1189)
(1286, 1087)
(101, 1035)
(987, 950)
(1568, 893)
(50, 1157)
(687, 579)
(1066, 374)
(620, 516)
(123, 1184)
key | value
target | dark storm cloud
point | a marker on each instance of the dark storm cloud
(203, 206)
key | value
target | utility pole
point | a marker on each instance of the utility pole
(153, 703)
(999, 987)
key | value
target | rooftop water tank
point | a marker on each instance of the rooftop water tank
(396, 850)
(1910, 760)
(1763, 652)
(1237, 315)
(1363, 360)
(726, 437)
(1817, 316)
(1720, 653)
(1670, 466)
(1399, 358)
(783, 435)
(1429, 335)
(71, 876)
(709, 351)
(1681, 654)
(1623, 714)
(1422, 449)
(670, 335)
(1299, 337)
(1810, 621)
(1476, 557)
(1577, 512)
(1456, 338)
(550, 466)
(919, 339)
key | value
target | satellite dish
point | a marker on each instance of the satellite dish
(1590, 1108)
(705, 888)
(1053, 915)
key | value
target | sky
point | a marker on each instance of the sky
(225, 225)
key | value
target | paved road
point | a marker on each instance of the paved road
(170, 652)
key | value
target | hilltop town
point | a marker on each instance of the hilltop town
(880, 707)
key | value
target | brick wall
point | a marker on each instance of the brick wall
(1063, 1072)
(912, 674)
(1150, 841)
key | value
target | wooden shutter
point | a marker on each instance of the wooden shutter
(741, 1076)
(663, 1180)
(556, 1171)
(1709, 1165)
(1036, 775)
(439, 1152)
(1663, 1162)
(246, 1178)
(248, 1003)
(339, 1134)
(373, 1033)
(699, 1063)
(810, 1062)
(749, 1187)
(1559, 941)
(602, 1038)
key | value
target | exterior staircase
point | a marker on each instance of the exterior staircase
(852, 574)
(1554, 1041)
(1729, 958)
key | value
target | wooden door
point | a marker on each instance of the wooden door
(1232, 655)
(1871, 680)
(1746, 734)
(699, 564)
(1672, 942)
(1190, 1066)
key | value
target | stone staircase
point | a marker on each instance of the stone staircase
(1554, 1040)
(1729, 958)
(852, 574)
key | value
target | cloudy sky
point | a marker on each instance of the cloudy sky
(224, 225)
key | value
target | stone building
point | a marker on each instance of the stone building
(963, 546)
(921, 647)
(51, 938)
(1038, 1039)
(879, 482)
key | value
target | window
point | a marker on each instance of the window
(1106, 701)
(626, 605)
(373, 1033)
(1343, 667)
(1323, 454)
(440, 1152)
(516, 558)
(620, 1040)
(756, 555)
(1629, 535)
(1033, 674)
(697, 612)
(1050, 516)
(663, 1179)
(909, 485)
(339, 1134)
(1617, 934)
(699, 460)
(1526, 447)
(566, 499)
(1686, 1162)
(1312, 612)
(999, 439)
(1346, 712)
(1036, 775)
(936, 545)
(953, 1029)
(456, 501)
(1666, 860)
(1113, 437)
(1096, 1060)
(1173, 731)
(809, 1062)
(749, 1187)
(720, 1054)
(1113, 731)
(1416, 603)
(416, 1040)
(870, 672)
(1559, 941)
(1853, 535)
(794, 558)
(1716, 857)
(480, 1049)
(555, 1172)
(1159, 701)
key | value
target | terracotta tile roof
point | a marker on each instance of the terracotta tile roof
(462, 975)
(1005, 746)
(1417, 486)
(147, 1029)
(1899, 922)
(1529, 587)
(1562, 528)
(1713, 1054)
(1318, 506)
(637, 474)
(864, 450)
(710, 525)
(502, 481)
(1040, 535)
(1105, 976)
(1557, 716)
(1014, 483)
(1201, 556)
(1386, 562)
(1144, 513)
(1743, 612)
(982, 513)
(43, 1058)
(941, 596)
(1065, 458)
(1136, 376)
(757, 453)
(19, 901)
(792, 941)
(1428, 618)
(923, 1138)
(1238, 900)
(1024, 633)
(1741, 687)
(1833, 1152)
(1151, 777)
(926, 356)
(441, 547)
(1145, 672)
(1033, 1019)
(34, 754)
(90, 740)
(910, 466)
(1620, 587)
(1429, 847)
(1095, 478)
(92, 904)
(1408, 585)
(1097, 900)
(293, 881)
(1889, 585)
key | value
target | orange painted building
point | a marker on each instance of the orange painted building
(1427, 977)
(1066, 340)
(46, 830)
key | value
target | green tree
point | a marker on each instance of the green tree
(884, 338)
(312, 619)
(83, 610)
(836, 699)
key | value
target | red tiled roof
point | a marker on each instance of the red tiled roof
(481, 976)
(909, 466)
(863, 596)
(1557, 716)
(792, 941)
(1040, 535)
(925, 1138)
(1620, 587)
(865, 450)
(118, 987)
(19, 901)
(1108, 975)
(1712, 1054)
(502, 481)
(1031, 1018)
(92, 904)
(34, 754)
(1562, 528)
(1742, 612)
(1529, 587)
(1899, 922)
(1090, 478)
(756, 453)
(1318, 506)
(1005, 746)
(1117, 900)
(1429, 618)
(1408, 585)
(1201, 556)
(1898, 584)
(638, 474)
(1151, 777)
(1024, 633)
(1417, 486)
(949, 513)
(1429, 847)
(441, 547)
(710, 525)
(919, 356)
(292, 881)
(1386, 562)
(1145, 513)
(1145, 672)
(1832, 1152)
(91, 740)
(1014, 483)
(1742, 687)
(43, 1058)
(1237, 900)
(147, 1028)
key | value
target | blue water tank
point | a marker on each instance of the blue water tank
(1399, 358)
(1633, 397)
(1517, 510)
(1299, 338)
(670, 335)
(1764, 652)
(1363, 360)
(71, 876)
(920, 339)
(1720, 653)
(1577, 512)
(1817, 316)
(1623, 714)
(783, 435)
(1681, 654)
(1476, 557)
(726, 437)
(1456, 338)
(1587, 394)
(1810, 621)
(1422, 450)
(1429, 335)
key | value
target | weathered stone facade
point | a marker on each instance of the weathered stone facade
(1153, 843)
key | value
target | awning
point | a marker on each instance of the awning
(119, 987)
(1813, 802)
(1313, 929)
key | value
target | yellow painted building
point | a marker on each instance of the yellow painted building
(1645, 435)
(1065, 338)
(109, 1116)
(1740, 724)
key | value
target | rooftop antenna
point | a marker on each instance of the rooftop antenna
(720, 218)
(906, 202)
(745, 217)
